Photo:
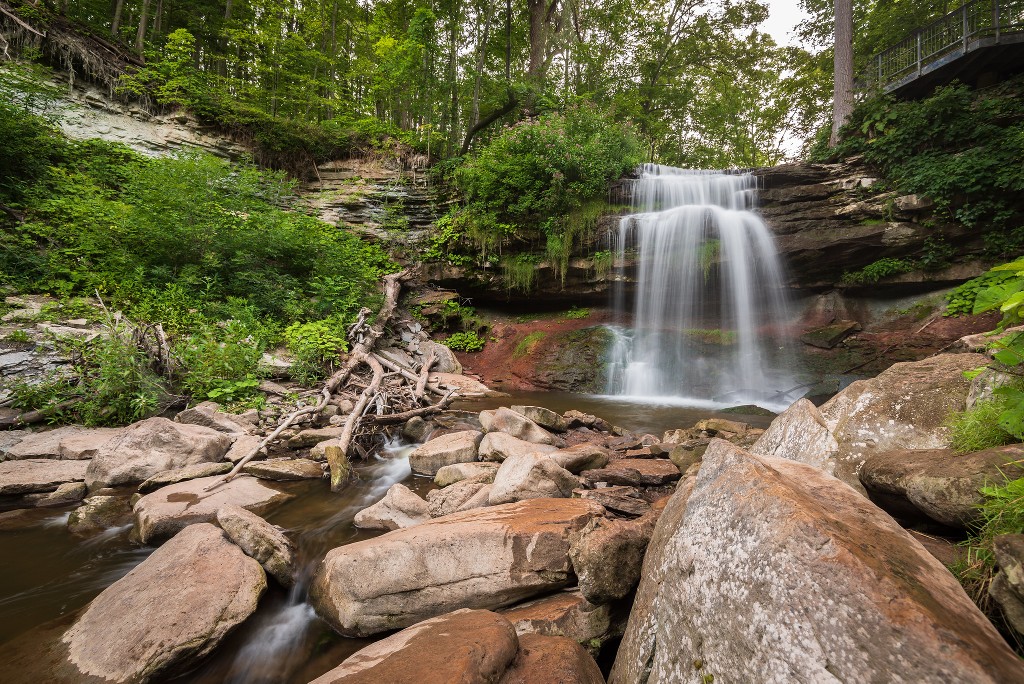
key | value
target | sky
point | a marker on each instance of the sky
(783, 16)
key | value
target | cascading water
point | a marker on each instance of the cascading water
(708, 294)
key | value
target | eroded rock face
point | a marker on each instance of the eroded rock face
(607, 557)
(810, 581)
(482, 558)
(531, 476)
(581, 457)
(800, 434)
(169, 611)
(939, 484)
(635, 472)
(461, 496)
(465, 646)
(498, 446)
(457, 447)
(519, 426)
(904, 407)
(400, 508)
(546, 418)
(261, 541)
(34, 475)
(566, 614)
(1007, 587)
(168, 510)
(152, 446)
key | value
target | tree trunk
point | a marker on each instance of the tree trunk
(140, 37)
(842, 103)
(115, 25)
(481, 62)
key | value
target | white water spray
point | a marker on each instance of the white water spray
(709, 294)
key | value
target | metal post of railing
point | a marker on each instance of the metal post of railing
(995, 17)
(918, 53)
(879, 60)
(963, 10)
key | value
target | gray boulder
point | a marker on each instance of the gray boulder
(46, 444)
(208, 414)
(458, 472)
(519, 426)
(497, 446)
(99, 513)
(607, 557)
(461, 496)
(152, 446)
(1007, 587)
(546, 418)
(809, 580)
(581, 457)
(457, 447)
(800, 433)
(531, 476)
(261, 541)
(400, 508)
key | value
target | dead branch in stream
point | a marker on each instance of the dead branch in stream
(393, 396)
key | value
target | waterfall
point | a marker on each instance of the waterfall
(697, 323)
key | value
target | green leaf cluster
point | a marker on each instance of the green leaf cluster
(465, 341)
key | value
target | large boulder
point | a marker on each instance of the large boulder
(166, 613)
(459, 472)
(192, 472)
(170, 509)
(482, 558)
(551, 659)
(466, 646)
(566, 614)
(261, 541)
(45, 444)
(497, 446)
(99, 513)
(905, 407)
(153, 446)
(456, 447)
(445, 360)
(546, 418)
(531, 476)
(38, 475)
(208, 414)
(400, 508)
(938, 484)
(285, 469)
(800, 433)
(581, 457)
(519, 426)
(809, 581)
(607, 557)
(461, 496)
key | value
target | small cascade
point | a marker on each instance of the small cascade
(700, 322)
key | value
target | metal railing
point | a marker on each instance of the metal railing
(976, 23)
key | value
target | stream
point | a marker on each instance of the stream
(48, 574)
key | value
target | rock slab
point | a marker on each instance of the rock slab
(261, 541)
(482, 558)
(33, 475)
(809, 580)
(456, 447)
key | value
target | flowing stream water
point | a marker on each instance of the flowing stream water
(708, 305)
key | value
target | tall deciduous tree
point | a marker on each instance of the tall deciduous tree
(842, 100)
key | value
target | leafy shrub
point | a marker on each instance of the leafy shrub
(315, 347)
(465, 341)
(877, 270)
(221, 362)
(576, 313)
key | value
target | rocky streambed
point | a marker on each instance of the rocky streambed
(512, 544)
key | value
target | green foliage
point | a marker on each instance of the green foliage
(18, 336)
(708, 255)
(222, 362)
(30, 146)
(877, 270)
(959, 147)
(603, 261)
(576, 313)
(465, 341)
(519, 272)
(315, 347)
(718, 337)
(978, 428)
(528, 344)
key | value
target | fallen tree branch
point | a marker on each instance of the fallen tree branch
(396, 418)
(338, 470)
(20, 22)
(421, 384)
(412, 377)
(37, 416)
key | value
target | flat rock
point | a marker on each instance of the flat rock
(581, 457)
(466, 386)
(482, 558)
(619, 499)
(635, 472)
(243, 446)
(938, 484)
(152, 446)
(551, 659)
(8, 438)
(284, 469)
(546, 418)
(311, 437)
(47, 444)
(456, 447)
(168, 510)
(905, 407)
(85, 445)
(38, 475)
(461, 496)
(400, 508)
(800, 434)
(497, 446)
(810, 581)
(828, 336)
(531, 476)
(457, 472)
(64, 495)
(565, 613)
(519, 426)
(99, 513)
(208, 414)
(168, 612)
(169, 477)
(261, 541)
(465, 646)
